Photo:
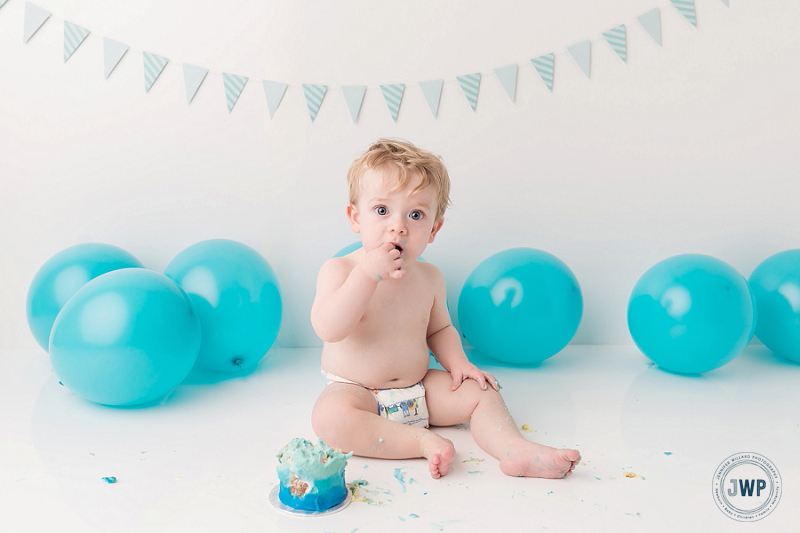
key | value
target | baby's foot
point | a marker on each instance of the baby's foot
(440, 453)
(530, 459)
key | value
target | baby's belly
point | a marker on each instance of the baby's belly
(376, 368)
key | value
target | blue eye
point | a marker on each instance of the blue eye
(416, 215)
(381, 210)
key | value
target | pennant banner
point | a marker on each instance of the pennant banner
(234, 85)
(153, 66)
(35, 16)
(73, 37)
(651, 21)
(545, 66)
(393, 94)
(686, 7)
(432, 91)
(616, 37)
(508, 79)
(314, 95)
(193, 77)
(112, 54)
(353, 97)
(582, 52)
(471, 84)
(274, 92)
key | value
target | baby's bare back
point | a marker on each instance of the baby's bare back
(388, 346)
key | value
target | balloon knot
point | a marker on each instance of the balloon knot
(238, 362)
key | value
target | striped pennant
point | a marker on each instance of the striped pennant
(274, 92)
(314, 95)
(393, 94)
(545, 65)
(234, 85)
(112, 54)
(193, 77)
(582, 53)
(73, 37)
(3, 2)
(35, 16)
(651, 21)
(354, 97)
(470, 84)
(508, 79)
(432, 91)
(153, 66)
(617, 38)
(686, 7)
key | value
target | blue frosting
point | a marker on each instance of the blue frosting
(311, 475)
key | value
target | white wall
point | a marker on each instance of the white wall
(691, 147)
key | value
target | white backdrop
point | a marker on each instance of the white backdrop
(690, 147)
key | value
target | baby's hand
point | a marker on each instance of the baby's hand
(383, 263)
(467, 371)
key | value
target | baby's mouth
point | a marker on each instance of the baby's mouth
(398, 247)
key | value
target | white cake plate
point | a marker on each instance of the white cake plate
(280, 506)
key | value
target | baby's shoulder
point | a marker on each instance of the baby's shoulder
(430, 272)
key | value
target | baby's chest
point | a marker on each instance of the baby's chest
(412, 305)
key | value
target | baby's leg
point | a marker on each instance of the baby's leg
(493, 428)
(345, 417)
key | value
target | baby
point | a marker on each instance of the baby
(380, 309)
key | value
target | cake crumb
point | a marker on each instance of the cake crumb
(298, 488)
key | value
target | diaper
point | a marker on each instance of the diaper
(405, 405)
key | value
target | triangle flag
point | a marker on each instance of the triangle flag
(545, 65)
(3, 2)
(508, 79)
(112, 54)
(582, 52)
(617, 38)
(314, 95)
(234, 85)
(432, 91)
(470, 84)
(726, 2)
(193, 77)
(153, 66)
(393, 94)
(353, 97)
(73, 37)
(274, 92)
(651, 21)
(686, 7)
(35, 16)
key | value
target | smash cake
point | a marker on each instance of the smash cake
(311, 475)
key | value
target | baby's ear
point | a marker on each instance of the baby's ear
(436, 227)
(352, 217)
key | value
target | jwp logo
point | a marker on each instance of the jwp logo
(746, 487)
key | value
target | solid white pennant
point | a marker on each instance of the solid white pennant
(354, 97)
(274, 92)
(35, 16)
(193, 77)
(112, 54)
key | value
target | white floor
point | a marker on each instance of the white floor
(204, 460)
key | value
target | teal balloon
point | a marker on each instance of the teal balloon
(238, 298)
(776, 286)
(691, 313)
(125, 338)
(62, 275)
(520, 306)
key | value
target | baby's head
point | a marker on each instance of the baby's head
(409, 160)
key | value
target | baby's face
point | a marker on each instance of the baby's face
(403, 219)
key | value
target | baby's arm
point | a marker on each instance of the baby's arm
(445, 343)
(343, 293)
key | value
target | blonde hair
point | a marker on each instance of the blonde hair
(408, 158)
